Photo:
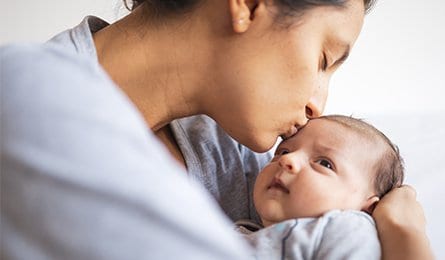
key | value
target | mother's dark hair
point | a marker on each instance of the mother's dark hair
(287, 8)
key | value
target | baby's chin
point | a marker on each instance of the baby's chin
(268, 223)
(270, 217)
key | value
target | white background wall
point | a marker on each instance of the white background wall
(396, 69)
(30, 20)
(398, 63)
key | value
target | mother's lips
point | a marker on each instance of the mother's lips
(277, 184)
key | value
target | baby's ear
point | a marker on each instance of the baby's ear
(369, 205)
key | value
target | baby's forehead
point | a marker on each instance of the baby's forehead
(319, 128)
(351, 134)
(332, 127)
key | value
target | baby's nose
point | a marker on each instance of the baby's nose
(289, 162)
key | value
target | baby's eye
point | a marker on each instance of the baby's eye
(281, 152)
(325, 163)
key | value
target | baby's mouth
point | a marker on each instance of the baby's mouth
(277, 184)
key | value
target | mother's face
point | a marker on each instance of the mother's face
(272, 78)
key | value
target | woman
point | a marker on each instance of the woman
(85, 179)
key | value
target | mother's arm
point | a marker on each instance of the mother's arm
(401, 226)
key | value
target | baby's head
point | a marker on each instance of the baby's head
(334, 162)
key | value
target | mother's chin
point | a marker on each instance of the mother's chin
(260, 143)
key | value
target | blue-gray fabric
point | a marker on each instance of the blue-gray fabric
(337, 234)
(83, 177)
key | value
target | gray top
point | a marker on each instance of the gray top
(226, 168)
(83, 177)
(335, 235)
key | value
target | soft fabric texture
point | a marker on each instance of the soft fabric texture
(335, 235)
(226, 168)
(83, 177)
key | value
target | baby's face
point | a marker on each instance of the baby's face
(324, 166)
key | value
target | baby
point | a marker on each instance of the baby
(325, 181)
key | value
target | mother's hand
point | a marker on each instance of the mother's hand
(400, 209)
(401, 225)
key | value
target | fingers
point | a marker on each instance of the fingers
(409, 189)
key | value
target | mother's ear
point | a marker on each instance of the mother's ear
(242, 13)
(369, 205)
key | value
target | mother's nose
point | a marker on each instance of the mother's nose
(317, 102)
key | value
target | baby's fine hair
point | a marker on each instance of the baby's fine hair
(390, 167)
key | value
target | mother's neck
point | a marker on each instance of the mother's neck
(156, 66)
